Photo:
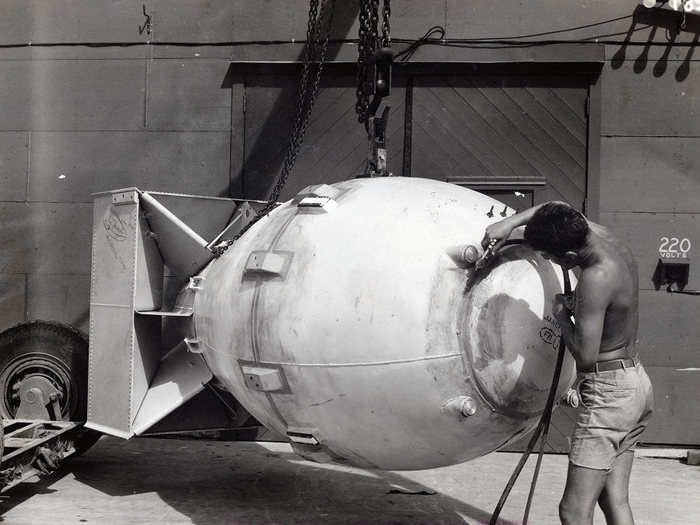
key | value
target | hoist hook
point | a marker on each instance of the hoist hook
(376, 124)
(376, 155)
(380, 64)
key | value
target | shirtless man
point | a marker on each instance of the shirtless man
(615, 392)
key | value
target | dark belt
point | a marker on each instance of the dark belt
(613, 364)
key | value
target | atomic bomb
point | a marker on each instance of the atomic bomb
(343, 320)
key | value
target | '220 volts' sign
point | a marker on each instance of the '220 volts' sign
(674, 248)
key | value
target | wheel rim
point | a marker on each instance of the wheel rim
(45, 366)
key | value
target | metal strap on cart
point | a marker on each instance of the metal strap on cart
(32, 448)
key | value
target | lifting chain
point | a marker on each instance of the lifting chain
(367, 45)
(373, 21)
(363, 44)
(307, 93)
(317, 34)
(386, 27)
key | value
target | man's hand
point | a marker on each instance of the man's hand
(563, 307)
(568, 299)
(498, 232)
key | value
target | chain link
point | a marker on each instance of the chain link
(373, 22)
(306, 96)
(319, 27)
(368, 43)
(386, 27)
(363, 46)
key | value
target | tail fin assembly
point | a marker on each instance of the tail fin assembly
(141, 241)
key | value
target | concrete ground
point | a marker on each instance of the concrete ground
(201, 482)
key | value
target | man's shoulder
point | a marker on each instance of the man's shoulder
(597, 273)
(597, 281)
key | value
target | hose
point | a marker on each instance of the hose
(542, 429)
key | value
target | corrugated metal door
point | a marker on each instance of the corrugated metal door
(519, 133)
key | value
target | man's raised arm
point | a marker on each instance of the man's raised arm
(501, 230)
(592, 301)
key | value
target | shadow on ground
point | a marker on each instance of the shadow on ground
(214, 482)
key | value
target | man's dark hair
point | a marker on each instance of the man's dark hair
(556, 228)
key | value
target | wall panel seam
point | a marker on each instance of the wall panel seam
(151, 130)
(70, 59)
(615, 136)
(662, 290)
(638, 212)
(62, 274)
(26, 296)
(47, 202)
(29, 166)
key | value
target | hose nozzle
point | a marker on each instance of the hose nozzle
(487, 257)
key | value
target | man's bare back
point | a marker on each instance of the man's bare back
(615, 266)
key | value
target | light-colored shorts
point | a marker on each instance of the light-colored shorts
(614, 410)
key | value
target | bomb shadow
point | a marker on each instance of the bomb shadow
(215, 482)
(514, 339)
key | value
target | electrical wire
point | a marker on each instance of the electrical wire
(557, 31)
(156, 43)
(462, 43)
(406, 54)
(428, 38)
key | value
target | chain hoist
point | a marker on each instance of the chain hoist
(317, 34)
(369, 46)
(374, 62)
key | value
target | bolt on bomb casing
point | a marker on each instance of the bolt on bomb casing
(342, 321)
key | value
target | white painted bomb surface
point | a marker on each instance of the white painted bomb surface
(375, 334)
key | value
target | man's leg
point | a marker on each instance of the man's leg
(583, 487)
(614, 498)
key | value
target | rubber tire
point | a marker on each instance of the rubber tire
(64, 343)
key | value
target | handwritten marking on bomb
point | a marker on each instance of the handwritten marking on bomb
(115, 228)
(549, 336)
(551, 333)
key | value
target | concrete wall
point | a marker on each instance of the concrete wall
(76, 119)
